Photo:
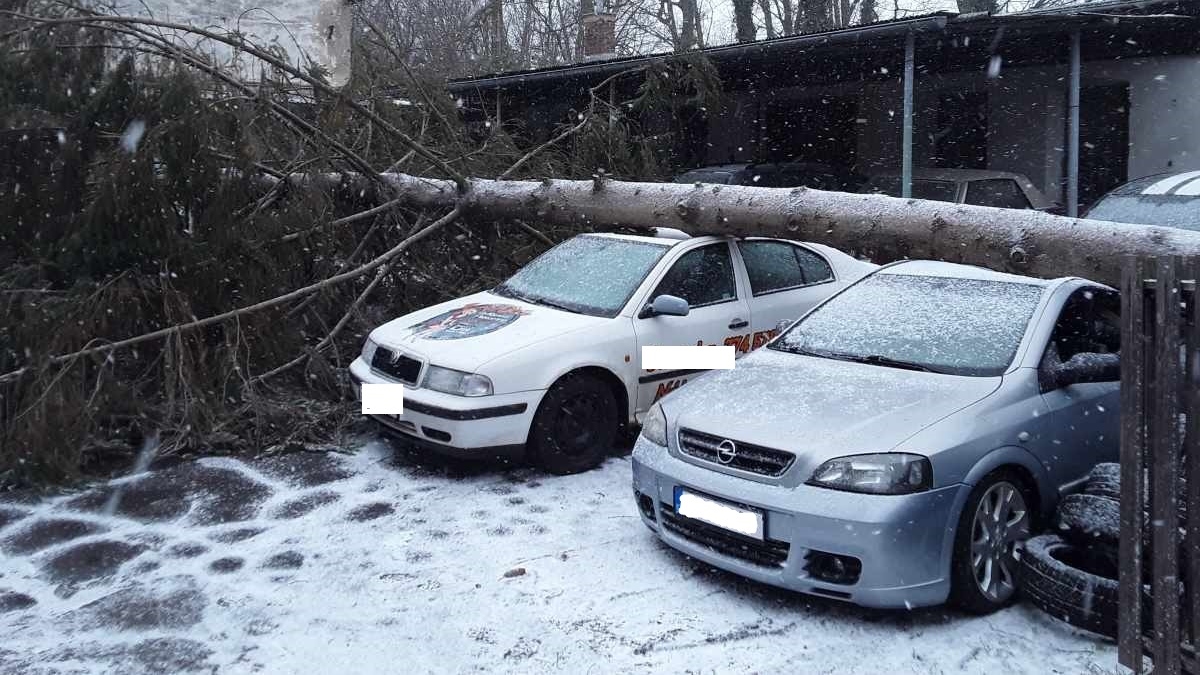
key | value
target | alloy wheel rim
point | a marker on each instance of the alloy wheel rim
(1001, 522)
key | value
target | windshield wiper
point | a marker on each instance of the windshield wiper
(551, 303)
(878, 360)
(506, 292)
(873, 359)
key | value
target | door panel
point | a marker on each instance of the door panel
(705, 278)
(1084, 420)
(786, 280)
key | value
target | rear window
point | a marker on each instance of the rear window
(936, 190)
(1164, 210)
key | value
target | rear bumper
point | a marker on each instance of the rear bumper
(904, 543)
(457, 425)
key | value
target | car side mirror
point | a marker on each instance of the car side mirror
(1087, 367)
(665, 305)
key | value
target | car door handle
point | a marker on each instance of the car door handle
(739, 323)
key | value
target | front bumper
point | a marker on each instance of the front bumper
(458, 425)
(903, 542)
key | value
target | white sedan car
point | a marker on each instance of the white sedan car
(548, 362)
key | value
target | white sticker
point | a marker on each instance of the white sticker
(382, 399)
(699, 357)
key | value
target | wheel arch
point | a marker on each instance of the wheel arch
(1012, 457)
(608, 377)
(1025, 464)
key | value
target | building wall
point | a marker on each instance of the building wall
(1164, 118)
(1027, 118)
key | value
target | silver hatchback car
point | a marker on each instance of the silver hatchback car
(894, 445)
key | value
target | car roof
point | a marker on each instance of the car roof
(661, 241)
(956, 174)
(1182, 184)
(716, 167)
(938, 268)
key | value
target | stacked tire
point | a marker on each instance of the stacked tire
(1072, 575)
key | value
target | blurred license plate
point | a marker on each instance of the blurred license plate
(722, 514)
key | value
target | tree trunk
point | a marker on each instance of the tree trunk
(969, 6)
(788, 18)
(869, 15)
(743, 18)
(768, 18)
(879, 227)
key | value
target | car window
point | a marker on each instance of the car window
(1000, 192)
(565, 276)
(1164, 210)
(945, 324)
(703, 276)
(771, 266)
(816, 270)
(1090, 321)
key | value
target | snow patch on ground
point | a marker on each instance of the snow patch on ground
(323, 563)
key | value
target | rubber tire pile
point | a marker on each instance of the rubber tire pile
(1072, 575)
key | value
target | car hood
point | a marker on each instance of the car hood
(468, 332)
(820, 408)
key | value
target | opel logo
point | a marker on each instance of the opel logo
(395, 357)
(726, 451)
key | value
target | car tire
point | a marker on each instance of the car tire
(1071, 583)
(975, 555)
(575, 426)
(1104, 481)
(1089, 519)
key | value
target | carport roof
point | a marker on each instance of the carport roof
(1109, 30)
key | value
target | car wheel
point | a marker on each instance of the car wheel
(1089, 519)
(1071, 583)
(994, 520)
(575, 426)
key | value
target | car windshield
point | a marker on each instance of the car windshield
(1167, 211)
(936, 190)
(586, 275)
(940, 324)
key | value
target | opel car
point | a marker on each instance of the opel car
(893, 446)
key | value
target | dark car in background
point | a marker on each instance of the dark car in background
(1166, 199)
(980, 187)
(776, 174)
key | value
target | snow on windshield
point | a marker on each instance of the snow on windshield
(945, 324)
(592, 275)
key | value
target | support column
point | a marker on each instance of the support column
(906, 142)
(1073, 129)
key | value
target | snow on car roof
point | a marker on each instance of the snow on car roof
(661, 241)
(1185, 185)
(937, 268)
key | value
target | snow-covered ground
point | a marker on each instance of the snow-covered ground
(322, 563)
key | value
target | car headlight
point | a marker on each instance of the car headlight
(456, 382)
(368, 350)
(889, 473)
(654, 426)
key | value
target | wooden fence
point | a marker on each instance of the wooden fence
(1160, 466)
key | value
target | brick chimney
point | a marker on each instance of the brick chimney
(598, 37)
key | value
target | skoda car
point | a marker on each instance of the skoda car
(894, 445)
(547, 364)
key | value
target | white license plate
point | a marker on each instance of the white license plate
(724, 515)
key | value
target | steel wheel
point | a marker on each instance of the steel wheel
(1001, 521)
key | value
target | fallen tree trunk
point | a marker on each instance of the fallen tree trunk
(882, 228)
